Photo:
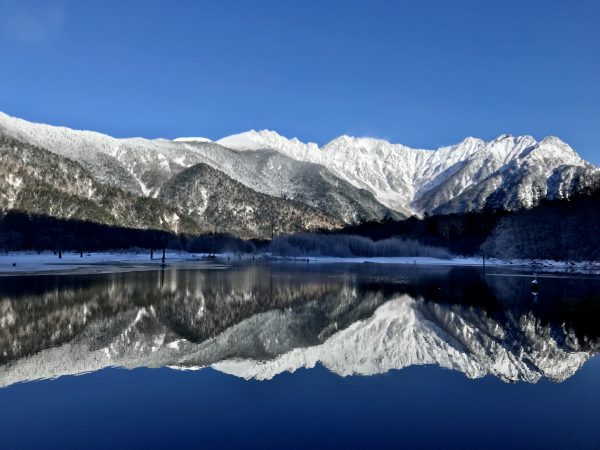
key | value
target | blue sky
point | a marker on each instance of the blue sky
(423, 73)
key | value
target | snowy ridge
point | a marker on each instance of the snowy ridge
(144, 166)
(132, 163)
(508, 172)
(400, 176)
(259, 140)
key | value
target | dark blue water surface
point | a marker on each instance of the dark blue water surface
(382, 357)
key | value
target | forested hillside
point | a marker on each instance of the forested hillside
(221, 204)
(565, 230)
(38, 182)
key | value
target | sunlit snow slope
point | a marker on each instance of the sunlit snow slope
(510, 172)
(349, 179)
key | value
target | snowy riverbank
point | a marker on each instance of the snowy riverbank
(15, 263)
(33, 262)
(541, 266)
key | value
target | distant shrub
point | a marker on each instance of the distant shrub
(347, 246)
(219, 243)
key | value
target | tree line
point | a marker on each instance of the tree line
(565, 230)
(23, 231)
(348, 246)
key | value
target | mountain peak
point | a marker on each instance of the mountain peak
(552, 146)
(365, 142)
(554, 140)
(472, 140)
(248, 140)
(266, 139)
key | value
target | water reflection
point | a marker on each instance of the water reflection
(259, 321)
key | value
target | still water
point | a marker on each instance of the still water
(299, 356)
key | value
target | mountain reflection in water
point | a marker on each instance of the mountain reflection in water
(256, 321)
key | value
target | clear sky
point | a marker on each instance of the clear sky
(422, 73)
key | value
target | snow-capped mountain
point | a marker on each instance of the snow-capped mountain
(143, 166)
(349, 180)
(510, 172)
(38, 182)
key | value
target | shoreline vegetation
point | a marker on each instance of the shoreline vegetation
(557, 234)
(47, 262)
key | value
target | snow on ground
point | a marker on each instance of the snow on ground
(418, 260)
(27, 262)
(541, 266)
(44, 262)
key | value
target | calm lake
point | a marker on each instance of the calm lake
(300, 356)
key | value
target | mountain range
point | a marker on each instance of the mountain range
(259, 183)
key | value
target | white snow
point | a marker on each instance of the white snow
(408, 180)
(192, 139)
(539, 265)
(399, 175)
(266, 139)
(32, 262)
